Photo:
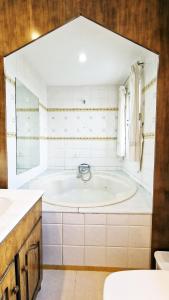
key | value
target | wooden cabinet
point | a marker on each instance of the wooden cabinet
(8, 287)
(29, 258)
(20, 258)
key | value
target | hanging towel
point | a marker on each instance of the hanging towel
(121, 122)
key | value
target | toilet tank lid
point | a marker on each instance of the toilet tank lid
(162, 259)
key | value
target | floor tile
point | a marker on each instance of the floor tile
(72, 285)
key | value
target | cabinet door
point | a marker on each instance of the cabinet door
(29, 264)
(8, 288)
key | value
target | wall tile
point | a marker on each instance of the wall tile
(51, 218)
(72, 218)
(95, 235)
(117, 219)
(73, 235)
(52, 234)
(139, 258)
(95, 256)
(116, 257)
(117, 236)
(145, 220)
(52, 255)
(139, 236)
(90, 124)
(73, 255)
(95, 219)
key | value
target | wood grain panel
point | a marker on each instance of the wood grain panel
(18, 236)
(8, 284)
(144, 22)
(3, 139)
(30, 270)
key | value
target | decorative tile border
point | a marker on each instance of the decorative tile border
(68, 109)
(28, 137)
(27, 110)
(65, 138)
(82, 109)
(78, 109)
(83, 138)
(147, 135)
(149, 85)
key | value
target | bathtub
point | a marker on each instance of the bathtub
(84, 225)
(104, 188)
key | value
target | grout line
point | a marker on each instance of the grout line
(62, 237)
(75, 284)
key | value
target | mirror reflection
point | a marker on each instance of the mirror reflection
(27, 128)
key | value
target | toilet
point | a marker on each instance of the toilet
(162, 260)
(137, 285)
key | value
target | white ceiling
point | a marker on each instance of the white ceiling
(109, 56)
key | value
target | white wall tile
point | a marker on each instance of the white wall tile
(73, 255)
(139, 258)
(95, 219)
(139, 236)
(72, 218)
(97, 244)
(52, 234)
(117, 219)
(117, 257)
(52, 255)
(51, 218)
(145, 220)
(95, 256)
(95, 235)
(82, 124)
(117, 236)
(73, 235)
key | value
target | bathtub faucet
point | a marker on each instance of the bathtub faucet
(84, 172)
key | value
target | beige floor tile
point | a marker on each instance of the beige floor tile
(57, 285)
(89, 285)
(72, 285)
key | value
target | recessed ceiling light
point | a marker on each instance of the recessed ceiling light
(82, 57)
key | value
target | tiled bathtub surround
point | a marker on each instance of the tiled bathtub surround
(109, 240)
(85, 112)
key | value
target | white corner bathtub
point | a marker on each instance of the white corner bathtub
(104, 188)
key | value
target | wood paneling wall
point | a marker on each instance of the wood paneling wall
(144, 22)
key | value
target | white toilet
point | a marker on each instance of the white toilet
(137, 285)
(162, 260)
(140, 284)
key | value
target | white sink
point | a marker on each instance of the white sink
(4, 204)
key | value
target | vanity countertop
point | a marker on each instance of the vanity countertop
(14, 204)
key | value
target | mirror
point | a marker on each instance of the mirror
(27, 128)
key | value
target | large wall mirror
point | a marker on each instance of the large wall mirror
(27, 128)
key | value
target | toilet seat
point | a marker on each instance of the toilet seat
(137, 285)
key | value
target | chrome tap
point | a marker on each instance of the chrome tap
(83, 170)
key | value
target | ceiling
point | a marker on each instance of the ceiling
(109, 56)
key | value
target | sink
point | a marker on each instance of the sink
(4, 204)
